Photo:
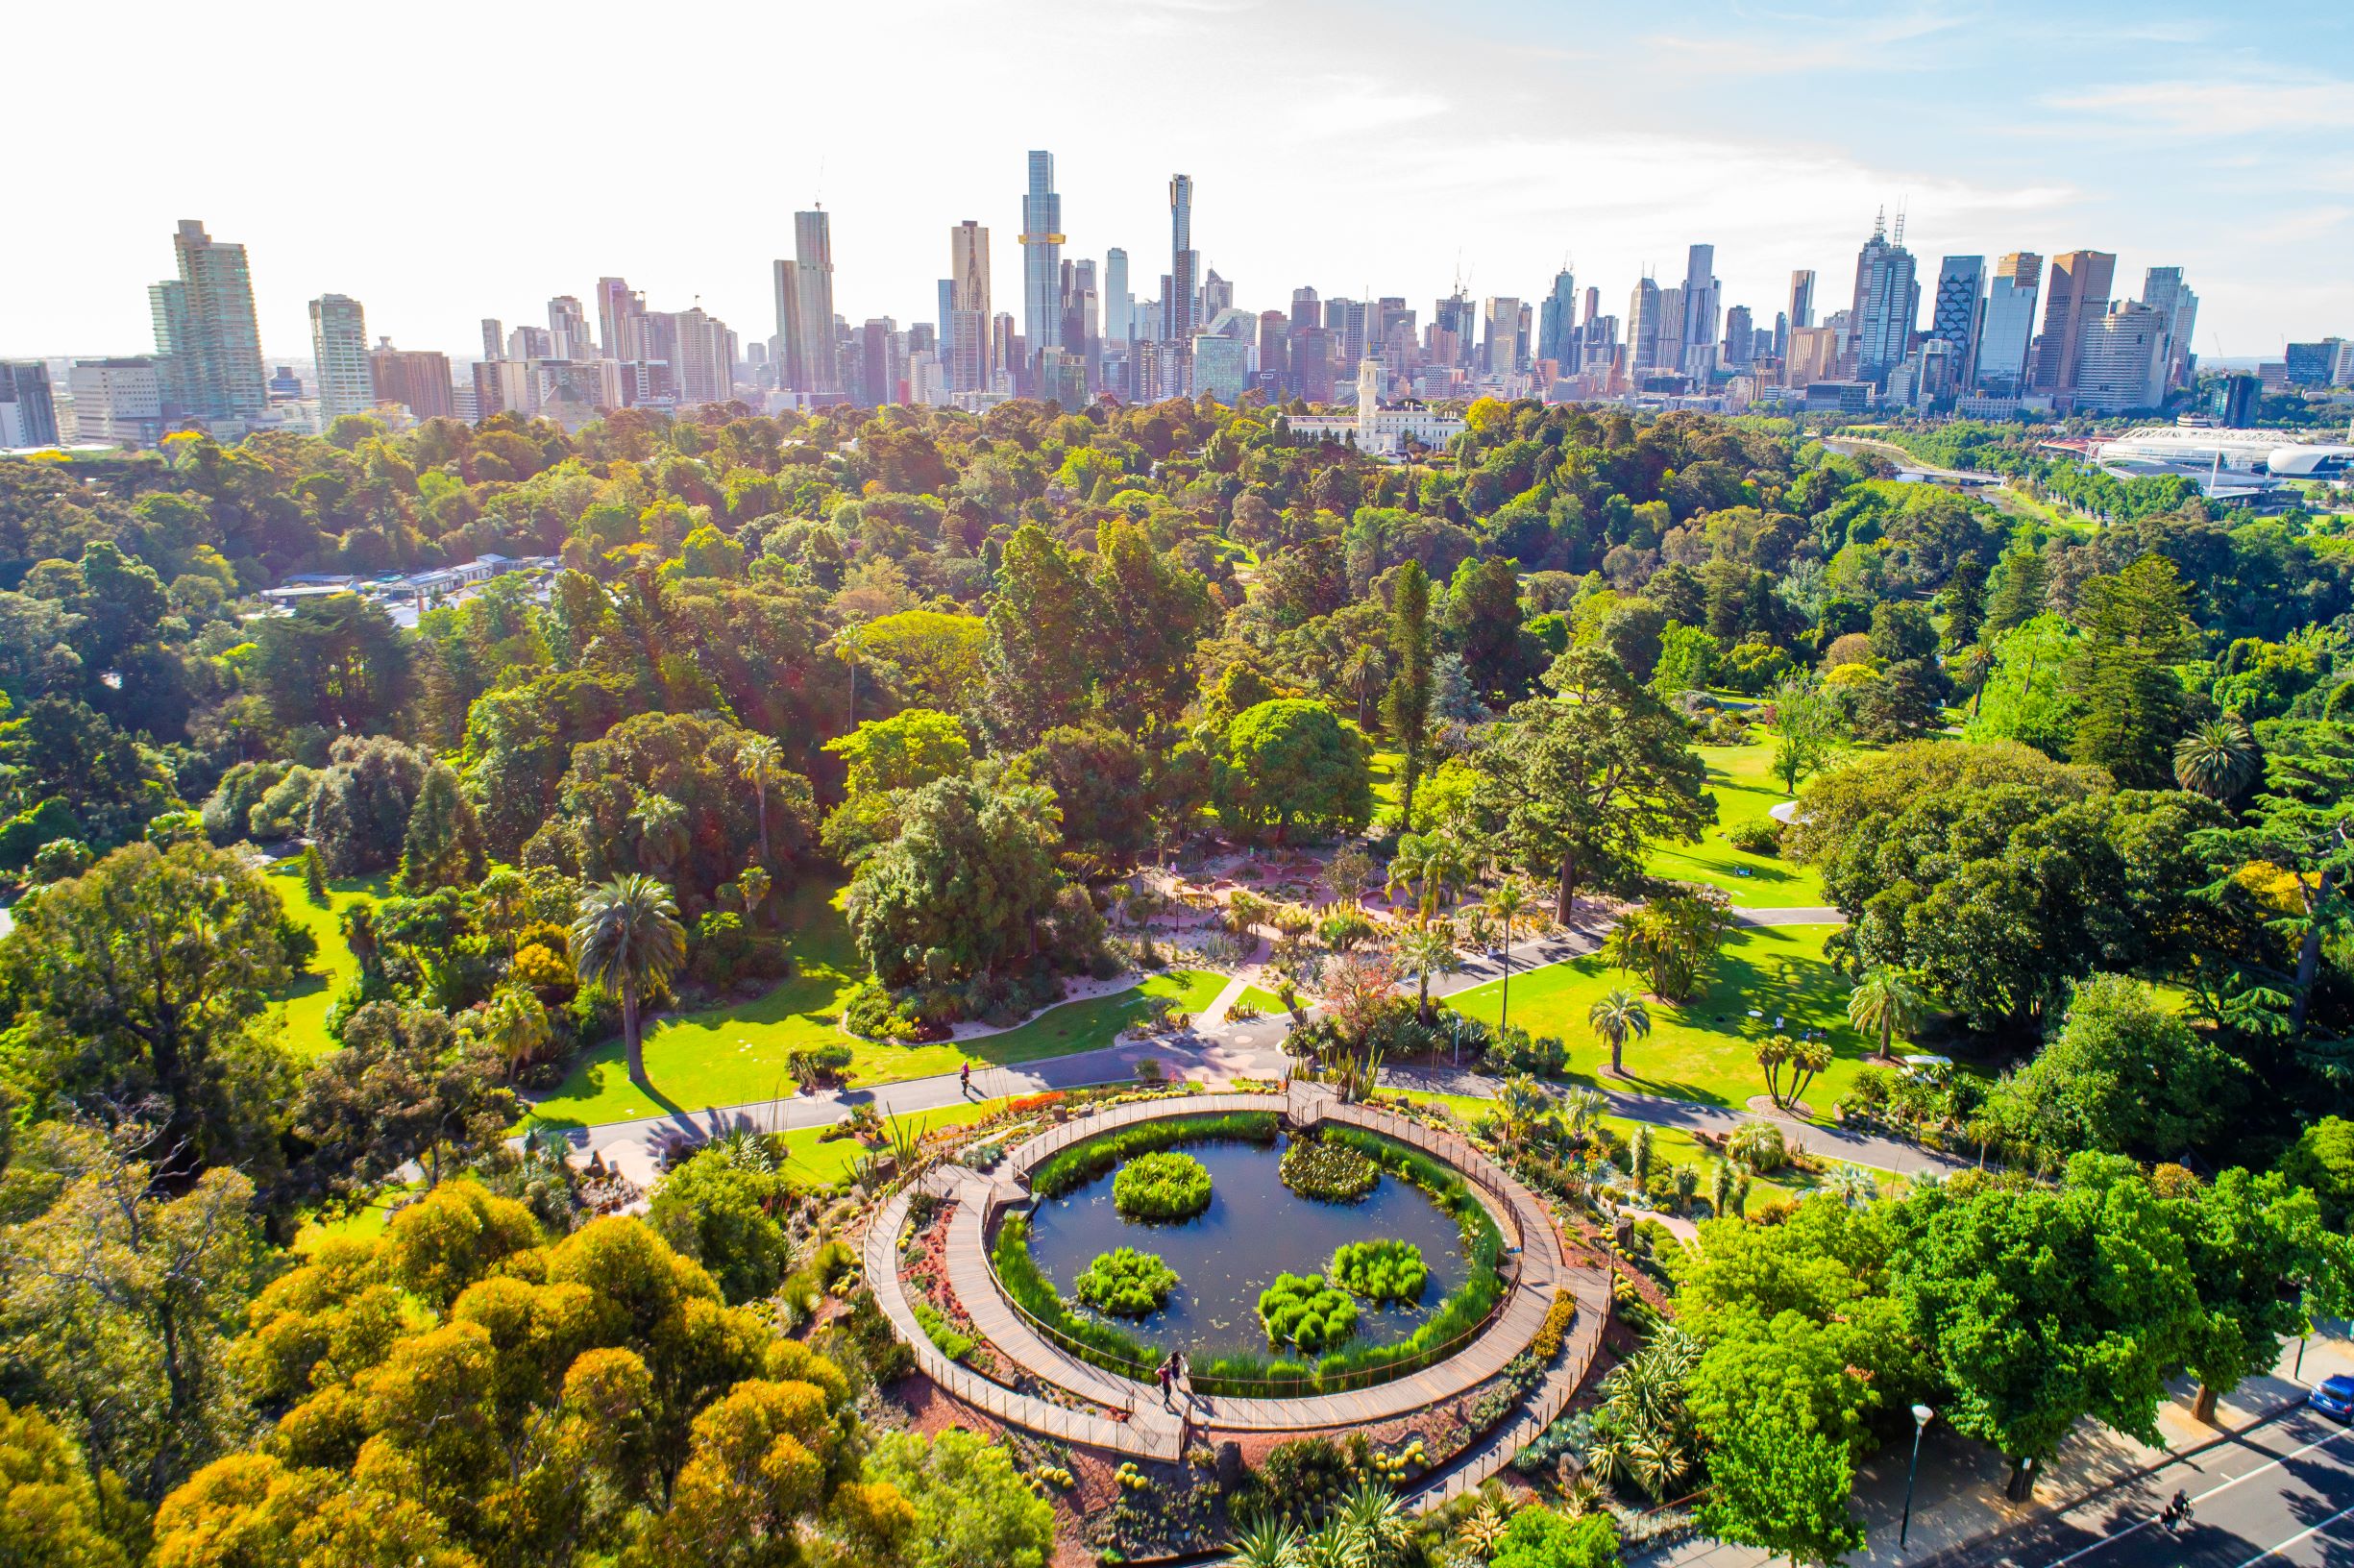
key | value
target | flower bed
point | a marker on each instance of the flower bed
(1383, 1271)
(1125, 1283)
(1320, 1168)
(1162, 1185)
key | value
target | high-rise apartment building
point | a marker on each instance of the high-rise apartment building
(1179, 302)
(28, 412)
(805, 308)
(1118, 304)
(118, 402)
(620, 320)
(1958, 313)
(569, 329)
(1803, 297)
(1696, 356)
(1042, 261)
(527, 343)
(418, 379)
(2009, 328)
(2163, 291)
(494, 335)
(2121, 360)
(2078, 293)
(206, 334)
(702, 360)
(1887, 304)
(1740, 337)
(339, 349)
(1556, 322)
(1275, 346)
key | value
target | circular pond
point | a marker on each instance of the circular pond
(1254, 1229)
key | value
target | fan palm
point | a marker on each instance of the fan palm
(1582, 1109)
(2218, 759)
(1508, 903)
(759, 761)
(1431, 865)
(627, 937)
(1884, 1002)
(516, 1026)
(1851, 1185)
(1426, 953)
(1616, 1016)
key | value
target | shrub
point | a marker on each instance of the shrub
(945, 1339)
(1383, 1271)
(1513, 1049)
(1761, 836)
(1758, 1145)
(1550, 1334)
(874, 1013)
(1308, 1475)
(1164, 1186)
(1126, 1283)
(1316, 1167)
(819, 1066)
(1306, 1311)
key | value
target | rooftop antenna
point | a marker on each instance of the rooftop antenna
(1900, 239)
(1879, 222)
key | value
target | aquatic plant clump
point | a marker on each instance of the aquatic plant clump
(1317, 1168)
(1382, 1271)
(1304, 1310)
(1165, 1186)
(1125, 1283)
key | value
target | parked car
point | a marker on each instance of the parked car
(2334, 1396)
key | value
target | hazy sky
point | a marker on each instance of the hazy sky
(443, 163)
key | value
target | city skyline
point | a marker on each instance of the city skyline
(2260, 245)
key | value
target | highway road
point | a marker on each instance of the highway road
(2280, 1495)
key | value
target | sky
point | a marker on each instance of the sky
(444, 162)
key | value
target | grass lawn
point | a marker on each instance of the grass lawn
(1701, 1050)
(1745, 790)
(1384, 773)
(303, 1009)
(1268, 1004)
(733, 1055)
(818, 1164)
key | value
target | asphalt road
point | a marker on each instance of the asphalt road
(2280, 1495)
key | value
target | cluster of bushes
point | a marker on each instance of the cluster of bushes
(1162, 1185)
(1382, 1271)
(1304, 1310)
(1082, 1163)
(1316, 1167)
(941, 1333)
(820, 1067)
(1126, 1283)
(875, 1012)
(1760, 836)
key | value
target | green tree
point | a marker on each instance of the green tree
(1783, 1491)
(1617, 1016)
(1428, 951)
(337, 661)
(1539, 1537)
(972, 1508)
(1101, 781)
(2249, 1235)
(1579, 785)
(1806, 728)
(1406, 709)
(968, 885)
(1483, 624)
(1886, 1003)
(360, 812)
(1687, 662)
(2321, 1160)
(2020, 587)
(443, 845)
(1291, 761)
(146, 976)
(2136, 630)
(1152, 612)
(1508, 903)
(404, 1086)
(1433, 864)
(760, 762)
(2125, 1075)
(718, 1208)
(1036, 668)
(51, 1515)
(2218, 759)
(626, 938)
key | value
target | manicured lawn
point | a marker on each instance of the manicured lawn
(1265, 1000)
(1745, 790)
(1384, 774)
(734, 1055)
(1701, 1050)
(822, 1164)
(302, 1011)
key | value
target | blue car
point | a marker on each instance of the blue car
(2334, 1396)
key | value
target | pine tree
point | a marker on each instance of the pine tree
(1406, 710)
(444, 845)
(2019, 598)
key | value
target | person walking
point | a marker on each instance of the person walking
(963, 1080)
(1168, 1374)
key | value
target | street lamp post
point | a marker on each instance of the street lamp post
(1923, 1415)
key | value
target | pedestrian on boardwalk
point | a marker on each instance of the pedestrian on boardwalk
(1168, 1374)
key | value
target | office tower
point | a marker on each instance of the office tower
(804, 290)
(1598, 347)
(118, 402)
(528, 343)
(1221, 367)
(1306, 310)
(2121, 360)
(2010, 324)
(1697, 356)
(1118, 304)
(494, 333)
(1802, 298)
(621, 320)
(1957, 316)
(2163, 291)
(1275, 345)
(1781, 334)
(1041, 259)
(2078, 293)
(1087, 309)
(1005, 350)
(2311, 364)
(1643, 312)
(1177, 296)
(1312, 364)
(205, 328)
(1815, 354)
(701, 359)
(969, 276)
(339, 349)
(2237, 401)
(1217, 294)
(28, 412)
(418, 379)
(1558, 321)
(1740, 338)
(1500, 346)
(569, 329)
(945, 314)
(1354, 322)
(1887, 304)
(1520, 337)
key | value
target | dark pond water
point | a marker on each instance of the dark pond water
(1254, 1229)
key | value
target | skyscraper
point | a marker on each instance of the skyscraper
(206, 331)
(416, 379)
(967, 344)
(1802, 298)
(2121, 360)
(1696, 357)
(1558, 322)
(28, 410)
(1118, 304)
(1957, 316)
(1740, 337)
(568, 326)
(1177, 305)
(1500, 346)
(1643, 323)
(1887, 304)
(2163, 291)
(805, 308)
(2010, 324)
(703, 361)
(1042, 261)
(621, 320)
(339, 347)
(494, 332)
(2079, 292)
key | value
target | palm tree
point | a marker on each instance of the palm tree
(1851, 1185)
(1426, 953)
(1508, 903)
(1582, 1109)
(759, 761)
(516, 1026)
(1884, 1002)
(2218, 759)
(1431, 864)
(1618, 1015)
(1362, 673)
(627, 937)
(1720, 1187)
(1807, 1058)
